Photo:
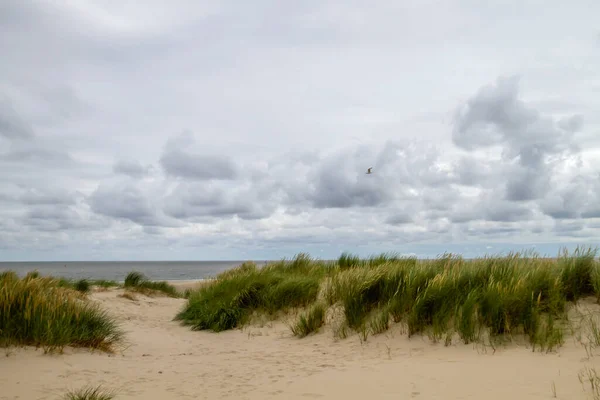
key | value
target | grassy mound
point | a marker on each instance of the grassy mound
(137, 282)
(231, 299)
(489, 297)
(41, 311)
(493, 296)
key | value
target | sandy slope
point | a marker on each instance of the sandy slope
(167, 361)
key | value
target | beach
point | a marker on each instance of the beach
(164, 360)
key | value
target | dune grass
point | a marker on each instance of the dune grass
(230, 300)
(310, 322)
(42, 311)
(137, 282)
(90, 393)
(81, 285)
(493, 297)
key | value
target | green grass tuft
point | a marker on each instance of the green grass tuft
(380, 321)
(82, 286)
(134, 278)
(310, 322)
(103, 283)
(137, 282)
(347, 261)
(90, 393)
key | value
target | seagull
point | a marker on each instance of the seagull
(369, 171)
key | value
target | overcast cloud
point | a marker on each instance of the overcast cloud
(226, 130)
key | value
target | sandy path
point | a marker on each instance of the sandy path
(167, 361)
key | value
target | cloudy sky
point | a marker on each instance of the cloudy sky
(236, 130)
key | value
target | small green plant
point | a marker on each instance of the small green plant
(577, 273)
(82, 286)
(32, 275)
(347, 261)
(134, 278)
(136, 281)
(90, 393)
(547, 336)
(380, 321)
(103, 283)
(310, 322)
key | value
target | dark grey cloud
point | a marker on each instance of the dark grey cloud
(179, 163)
(38, 157)
(126, 201)
(471, 171)
(130, 168)
(527, 184)
(51, 197)
(498, 231)
(202, 201)
(12, 126)
(51, 218)
(508, 212)
(569, 227)
(400, 218)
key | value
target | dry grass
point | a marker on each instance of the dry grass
(128, 296)
(90, 393)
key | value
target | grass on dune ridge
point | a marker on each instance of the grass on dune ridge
(55, 312)
(136, 281)
(44, 311)
(229, 301)
(491, 297)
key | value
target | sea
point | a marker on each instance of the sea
(118, 270)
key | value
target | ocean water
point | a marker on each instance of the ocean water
(117, 270)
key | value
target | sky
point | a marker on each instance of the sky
(206, 130)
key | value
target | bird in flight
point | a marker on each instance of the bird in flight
(369, 171)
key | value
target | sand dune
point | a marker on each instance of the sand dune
(166, 361)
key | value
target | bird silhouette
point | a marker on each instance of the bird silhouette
(369, 171)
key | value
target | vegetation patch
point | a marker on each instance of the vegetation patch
(490, 298)
(228, 301)
(90, 393)
(42, 311)
(137, 282)
(311, 321)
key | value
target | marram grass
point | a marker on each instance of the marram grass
(490, 297)
(42, 312)
(137, 282)
(230, 300)
(311, 321)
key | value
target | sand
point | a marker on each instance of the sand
(164, 360)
